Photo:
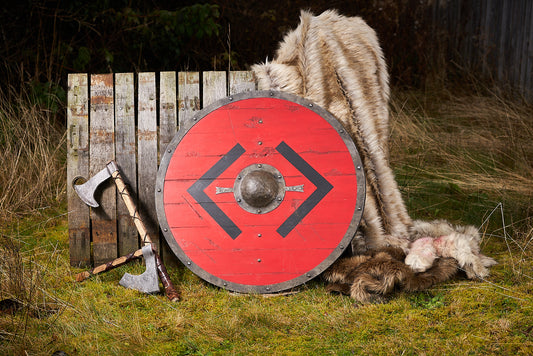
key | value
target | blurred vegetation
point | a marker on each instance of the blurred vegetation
(48, 39)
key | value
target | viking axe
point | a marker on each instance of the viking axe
(146, 282)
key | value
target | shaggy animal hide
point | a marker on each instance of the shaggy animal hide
(371, 277)
(336, 62)
(441, 239)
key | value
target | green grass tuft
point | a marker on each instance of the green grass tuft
(462, 159)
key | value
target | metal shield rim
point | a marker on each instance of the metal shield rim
(309, 275)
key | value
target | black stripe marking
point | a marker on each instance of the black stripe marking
(323, 187)
(197, 191)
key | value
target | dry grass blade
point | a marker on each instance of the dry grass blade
(32, 155)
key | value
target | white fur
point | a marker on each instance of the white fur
(336, 62)
(446, 240)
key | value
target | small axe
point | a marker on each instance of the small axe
(146, 282)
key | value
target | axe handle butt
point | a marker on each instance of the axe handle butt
(109, 266)
(170, 290)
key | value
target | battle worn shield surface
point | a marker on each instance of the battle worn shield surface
(260, 192)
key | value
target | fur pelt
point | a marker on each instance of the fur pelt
(441, 239)
(336, 62)
(371, 277)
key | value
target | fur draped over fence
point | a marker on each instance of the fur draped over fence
(336, 62)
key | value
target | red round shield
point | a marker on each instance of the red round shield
(260, 192)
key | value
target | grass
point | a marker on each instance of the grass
(463, 157)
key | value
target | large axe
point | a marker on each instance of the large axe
(146, 282)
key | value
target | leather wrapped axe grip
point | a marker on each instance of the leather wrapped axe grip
(170, 289)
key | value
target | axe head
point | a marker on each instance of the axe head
(148, 282)
(86, 190)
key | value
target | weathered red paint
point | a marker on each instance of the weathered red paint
(259, 255)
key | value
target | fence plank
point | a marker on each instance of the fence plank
(147, 152)
(241, 81)
(101, 150)
(167, 130)
(78, 165)
(167, 109)
(188, 95)
(214, 87)
(128, 240)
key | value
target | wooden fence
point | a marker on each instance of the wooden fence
(129, 118)
(492, 37)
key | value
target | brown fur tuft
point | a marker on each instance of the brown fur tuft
(369, 278)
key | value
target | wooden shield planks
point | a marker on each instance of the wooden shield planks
(147, 152)
(78, 165)
(102, 150)
(126, 158)
(314, 170)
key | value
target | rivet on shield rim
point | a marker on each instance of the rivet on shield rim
(165, 229)
(159, 190)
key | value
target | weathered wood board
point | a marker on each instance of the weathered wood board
(147, 152)
(101, 151)
(130, 118)
(78, 165)
(126, 158)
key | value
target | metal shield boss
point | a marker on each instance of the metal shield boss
(260, 192)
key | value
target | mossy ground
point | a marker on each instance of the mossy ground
(445, 170)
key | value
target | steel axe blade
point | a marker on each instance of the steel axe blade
(147, 282)
(86, 190)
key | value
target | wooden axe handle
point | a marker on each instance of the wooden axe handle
(109, 265)
(170, 290)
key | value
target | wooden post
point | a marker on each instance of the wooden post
(102, 150)
(241, 81)
(214, 87)
(168, 124)
(78, 165)
(188, 95)
(125, 157)
(147, 152)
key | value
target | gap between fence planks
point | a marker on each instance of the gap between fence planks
(130, 118)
